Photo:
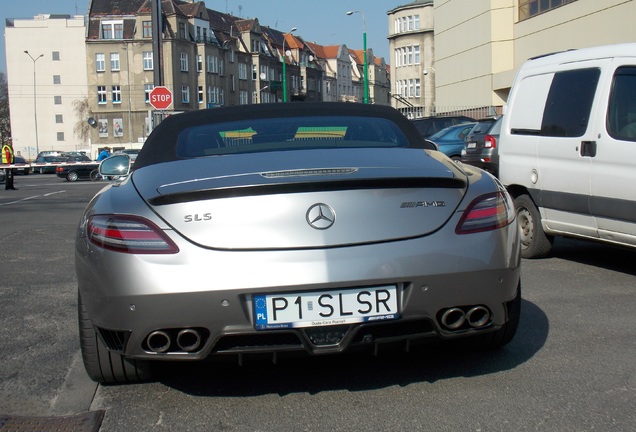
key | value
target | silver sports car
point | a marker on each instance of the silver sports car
(316, 227)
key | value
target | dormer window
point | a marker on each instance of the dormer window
(112, 29)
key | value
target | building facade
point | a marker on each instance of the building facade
(45, 78)
(206, 58)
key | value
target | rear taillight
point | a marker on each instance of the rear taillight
(59, 169)
(490, 141)
(486, 213)
(129, 234)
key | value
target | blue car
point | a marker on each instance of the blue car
(450, 140)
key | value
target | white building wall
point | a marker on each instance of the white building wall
(45, 35)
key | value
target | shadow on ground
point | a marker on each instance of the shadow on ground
(355, 372)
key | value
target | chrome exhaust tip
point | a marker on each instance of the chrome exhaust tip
(478, 316)
(158, 341)
(453, 318)
(189, 340)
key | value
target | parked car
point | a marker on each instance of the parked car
(481, 148)
(2, 176)
(315, 227)
(428, 126)
(47, 164)
(567, 142)
(130, 152)
(74, 168)
(450, 140)
(22, 166)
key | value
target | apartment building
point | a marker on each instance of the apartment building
(45, 78)
(207, 59)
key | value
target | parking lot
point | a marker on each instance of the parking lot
(571, 366)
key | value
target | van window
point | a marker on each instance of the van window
(567, 110)
(621, 115)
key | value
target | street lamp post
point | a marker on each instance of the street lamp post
(35, 107)
(364, 47)
(285, 65)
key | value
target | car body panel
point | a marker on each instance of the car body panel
(450, 140)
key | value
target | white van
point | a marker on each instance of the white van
(568, 147)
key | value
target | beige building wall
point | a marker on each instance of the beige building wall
(60, 41)
(480, 44)
(473, 42)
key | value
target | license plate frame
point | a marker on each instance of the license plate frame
(324, 308)
(471, 145)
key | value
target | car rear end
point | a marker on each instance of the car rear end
(314, 249)
(481, 149)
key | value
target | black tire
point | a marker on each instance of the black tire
(534, 241)
(101, 364)
(72, 176)
(95, 175)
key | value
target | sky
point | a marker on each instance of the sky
(322, 21)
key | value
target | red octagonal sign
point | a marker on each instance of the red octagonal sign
(160, 98)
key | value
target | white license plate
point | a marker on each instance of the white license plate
(311, 309)
(471, 145)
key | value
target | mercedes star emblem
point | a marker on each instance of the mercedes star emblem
(321, 216)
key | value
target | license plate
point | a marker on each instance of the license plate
(312, 309)
(471, 145)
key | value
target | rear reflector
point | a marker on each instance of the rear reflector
(486, 213)
(129, 234)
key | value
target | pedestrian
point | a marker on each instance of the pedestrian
(103, 154)
(7, 158)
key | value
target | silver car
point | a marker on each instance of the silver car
(316, 227)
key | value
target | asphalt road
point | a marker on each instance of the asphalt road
(571, 366)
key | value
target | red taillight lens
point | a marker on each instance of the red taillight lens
(490, 141)
(59, 169)
(129, 234)
(486, 213)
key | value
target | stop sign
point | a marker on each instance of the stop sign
(160, 98)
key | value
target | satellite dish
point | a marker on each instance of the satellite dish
(91, 121)
(263, 76)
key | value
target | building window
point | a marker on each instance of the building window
(55, 56)
(101, 94)
(147, 89)
(199, 63)
(57, 100)
(242, 71)
(184, 61)
(416, 22)
(185, 94)
(60, 136)
(57, 79)
(530, 8)
(116, 93)
(213, 64)
(200, 94)
(243, 97)
(100, 62)
(59, 118)
(416, 54)
(114, 61)
(112, 30)
(148, 60)
(146, 29)
(418, 88)
(182, 30)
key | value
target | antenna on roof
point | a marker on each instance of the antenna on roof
(240, 11)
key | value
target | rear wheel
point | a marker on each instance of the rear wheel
(534, 241)
(101, 364)
(72, 176)
(95, 175)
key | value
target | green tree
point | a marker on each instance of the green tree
(5, 120)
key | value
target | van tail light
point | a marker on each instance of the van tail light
(487, 213)
(490, 141)
(129, 234)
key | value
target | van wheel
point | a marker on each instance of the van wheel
(534, 241)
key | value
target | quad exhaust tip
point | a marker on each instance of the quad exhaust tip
(458, 318)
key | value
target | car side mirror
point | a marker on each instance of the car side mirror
(115, 166)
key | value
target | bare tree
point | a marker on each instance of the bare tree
(83, 112)
(5, 120)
